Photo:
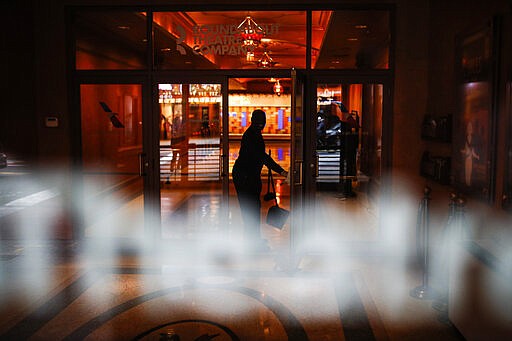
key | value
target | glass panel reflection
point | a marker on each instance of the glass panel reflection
(111, 120)
(348, 158)
(350, 40)
(230, 40)
(110, 40)
(348, 135)
(190, 132)
(190, 159)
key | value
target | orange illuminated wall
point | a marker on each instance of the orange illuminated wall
(355, 97)
(277, 108)
(278, 119)
(104, 146)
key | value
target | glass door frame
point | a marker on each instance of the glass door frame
(338, 77)
(191, 77)
(151, 123)
(297, 165)
(147, 156)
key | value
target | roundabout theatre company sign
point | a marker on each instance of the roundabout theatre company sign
(222, 39)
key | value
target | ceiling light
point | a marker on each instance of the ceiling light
(250, 32)
(266, 61)
(278, 88)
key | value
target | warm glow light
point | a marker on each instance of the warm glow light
(250, 32)
(266, 61)
(278, 89)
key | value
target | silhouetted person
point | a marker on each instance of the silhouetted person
(247, 176)
(352, 142)
(205, 126)
(348, 151)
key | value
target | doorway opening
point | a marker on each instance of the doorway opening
(347, 136)
(191, 160)
(199, 142)
(273, 96)
(206, 84)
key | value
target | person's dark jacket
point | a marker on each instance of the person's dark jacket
(253, 156)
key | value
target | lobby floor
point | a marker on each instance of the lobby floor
(344, 285)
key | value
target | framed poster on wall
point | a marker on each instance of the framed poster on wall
(474, 121)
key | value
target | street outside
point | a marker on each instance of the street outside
(17, 180)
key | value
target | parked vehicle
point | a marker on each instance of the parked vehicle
(3, 157)
(330, 128)
(328, 131)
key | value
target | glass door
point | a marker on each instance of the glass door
(113, 161)
(192, 166)
(345, 165)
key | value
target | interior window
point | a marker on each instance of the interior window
(350, 40)
(110, 40)
(230, 40)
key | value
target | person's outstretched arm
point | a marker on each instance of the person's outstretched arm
(270, 163)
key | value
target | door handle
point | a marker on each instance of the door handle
(143, 164)
(298, 167)
(221, 166)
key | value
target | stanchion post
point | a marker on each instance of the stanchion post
(441, 303)
(460, 234)
(424, 291)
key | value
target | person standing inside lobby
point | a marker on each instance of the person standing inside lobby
(247, 177)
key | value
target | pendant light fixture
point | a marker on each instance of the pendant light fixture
(278, 88)
(266, 61)
(250, 32)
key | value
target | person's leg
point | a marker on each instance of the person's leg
(352, 170)
(248, 194)
(250, 207)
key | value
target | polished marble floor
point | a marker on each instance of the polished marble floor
(200, 282)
